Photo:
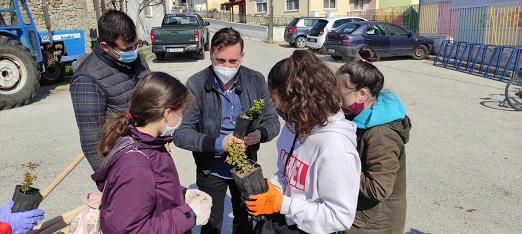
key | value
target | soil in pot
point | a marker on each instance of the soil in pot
(26, 201)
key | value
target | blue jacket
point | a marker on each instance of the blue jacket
(387, 108)
(201, 124)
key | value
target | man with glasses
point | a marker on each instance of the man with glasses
(103, 82)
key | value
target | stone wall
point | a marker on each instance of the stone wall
(65, 15)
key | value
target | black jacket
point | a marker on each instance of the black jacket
(201, 124)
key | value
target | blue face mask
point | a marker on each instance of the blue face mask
(127, 56)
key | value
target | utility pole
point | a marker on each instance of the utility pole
(97, 9)
(271, 23)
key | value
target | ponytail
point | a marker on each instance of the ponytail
(115, 126)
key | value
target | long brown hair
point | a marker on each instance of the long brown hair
(361, 75)
(307, 89)
(155, 93)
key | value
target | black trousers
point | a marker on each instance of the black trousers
(217, 188)
(276, 224)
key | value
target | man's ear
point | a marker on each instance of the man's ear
(105, 47)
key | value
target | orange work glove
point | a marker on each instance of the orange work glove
(265, 203)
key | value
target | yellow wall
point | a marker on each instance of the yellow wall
(343, 7)
(306, 8)
(395, 3)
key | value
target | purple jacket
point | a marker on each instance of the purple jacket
(142, 191)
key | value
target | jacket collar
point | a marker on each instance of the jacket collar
(210, 84)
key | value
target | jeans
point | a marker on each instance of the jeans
(217, 188)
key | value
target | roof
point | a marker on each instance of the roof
(233, 2)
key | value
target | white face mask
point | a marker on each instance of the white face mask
(225, 74)
(168, 131)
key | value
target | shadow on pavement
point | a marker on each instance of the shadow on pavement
(180, 58)
(497, 102)
(287, 46)
(415, 231)
(46, 90)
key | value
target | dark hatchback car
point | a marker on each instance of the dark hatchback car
(297, 29)
(387, 39)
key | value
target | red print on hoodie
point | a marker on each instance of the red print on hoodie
(296, 171)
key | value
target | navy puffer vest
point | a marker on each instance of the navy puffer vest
(116, 79)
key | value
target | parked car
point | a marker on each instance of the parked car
(387, 39)
(317, 35)
(181, 33)
(297, 29)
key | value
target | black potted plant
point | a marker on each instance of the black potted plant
(248, 121)
(25, 196)
(247, 174)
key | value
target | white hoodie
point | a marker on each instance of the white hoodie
(323, 175)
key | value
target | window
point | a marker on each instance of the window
(310, 22)
(260, 6)
(347, 28)
(340, 22)
(358, 5)
(292, 5)
(148, 11)
(394, 30)
(330, 4)
(375, 30)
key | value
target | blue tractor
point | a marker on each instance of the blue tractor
(29, 57)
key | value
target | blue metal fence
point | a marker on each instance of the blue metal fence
(490, 61)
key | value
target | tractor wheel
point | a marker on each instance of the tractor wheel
(19, 74)
(52, 75)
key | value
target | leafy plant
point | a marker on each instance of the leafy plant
(256, 109)
(29, 178)
(238, 158)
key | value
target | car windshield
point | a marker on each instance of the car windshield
(320, 25)
(180, 20)
(293, 22)
(347, 28)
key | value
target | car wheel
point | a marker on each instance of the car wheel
(201, 54)
(336, 58)
(421, 52)
(300, 42)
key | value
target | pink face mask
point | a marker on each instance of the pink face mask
(353, 110)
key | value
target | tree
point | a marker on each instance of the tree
(142, 4)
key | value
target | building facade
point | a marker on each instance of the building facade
(309, 7)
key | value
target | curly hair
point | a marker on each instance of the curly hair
(155, 93)
(307, 89)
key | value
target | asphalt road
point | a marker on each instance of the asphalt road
(463, 157)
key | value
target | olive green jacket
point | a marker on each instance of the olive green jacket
(382, 197)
